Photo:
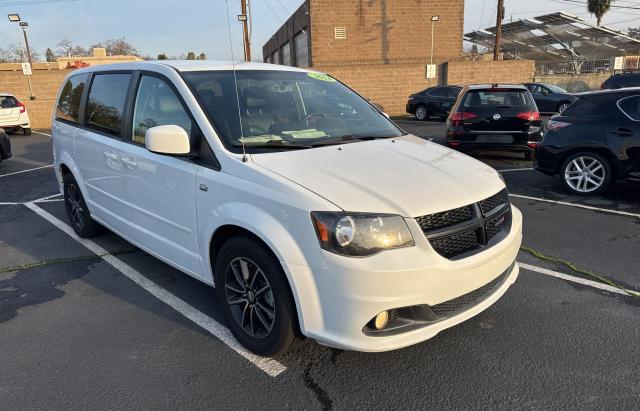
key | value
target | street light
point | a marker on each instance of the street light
(433, 22)
(15, 18)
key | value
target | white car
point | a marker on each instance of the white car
(306, 207)
(13, 114)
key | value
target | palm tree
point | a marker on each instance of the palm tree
(598, 8)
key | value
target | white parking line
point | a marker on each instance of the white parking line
(44, 134)
(578, 280)
(24, 171)
(586, 207)
(270, 366)
(515, 169)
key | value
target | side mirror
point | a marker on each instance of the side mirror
(168, 139)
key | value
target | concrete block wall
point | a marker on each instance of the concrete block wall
(506, 71)
(45, 85)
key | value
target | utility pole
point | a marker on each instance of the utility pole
(245, 31)
(499, 18)
(24, 25)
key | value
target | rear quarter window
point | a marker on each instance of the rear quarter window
(593, 105)
(631, 107)
(68, 107)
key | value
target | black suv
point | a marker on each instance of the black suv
(594, 142)
(498, 116)
(433, 102)
(622, 80)
(5, 145)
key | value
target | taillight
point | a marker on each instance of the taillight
(529, 116)
(554, 125)
(22, 107)
(460, 116)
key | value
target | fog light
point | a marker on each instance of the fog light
(381, 320)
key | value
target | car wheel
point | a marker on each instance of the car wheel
(26, 131)
(562, 106)
(586, 174)
(421, 112)
(77, 210)
(255, 298)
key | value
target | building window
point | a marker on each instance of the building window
(276, 57)
(302, 49)
(286, 54)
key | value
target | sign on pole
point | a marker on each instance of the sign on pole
(26, 69)
(431, 71)
(618, 63)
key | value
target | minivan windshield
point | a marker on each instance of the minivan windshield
(285, 110)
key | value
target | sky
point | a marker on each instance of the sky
(177, 27)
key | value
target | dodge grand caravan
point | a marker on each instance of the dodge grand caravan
(303, 204)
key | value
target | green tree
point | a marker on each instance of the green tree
(599, 8)
(191, 55)
(202, 56)
(162, 56)
(49, 55)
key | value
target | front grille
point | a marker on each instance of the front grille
(462, 231)
(471, 299)
(446, 218)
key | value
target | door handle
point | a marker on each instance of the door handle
(623, 132)
(129, 162)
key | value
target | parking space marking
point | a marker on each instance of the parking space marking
(40, 132)
(508, 170)
(578, 280)
(586, 207)
(24, 171)
(270, 366)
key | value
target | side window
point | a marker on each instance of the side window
(68, 107)
(157, 105)
(453, 92)
(631, 107)
(106, 102)
(438, 92)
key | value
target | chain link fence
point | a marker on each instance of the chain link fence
(553, 67)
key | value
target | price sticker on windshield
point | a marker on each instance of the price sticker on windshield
(321, 77)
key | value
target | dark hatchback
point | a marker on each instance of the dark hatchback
(496, 117)
(433, 102)
(5, 146)
(594, 142)
(621, 80)
(550, 98)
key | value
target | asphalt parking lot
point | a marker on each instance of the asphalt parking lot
(100, 324)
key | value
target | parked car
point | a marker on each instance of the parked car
(13, 115)
(622, 80)
(433, 102)
(496, 117)
(595, 142)
(5, 146)
(550, 98)
(303, 213)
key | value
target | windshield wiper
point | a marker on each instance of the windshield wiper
(273, 144)
(349, 138)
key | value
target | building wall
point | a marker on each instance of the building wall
(385, 31)
(489, 71)
(45, 85)
(298, 21)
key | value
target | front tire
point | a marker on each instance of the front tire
(26, 131)
(586, 174)
(77, 210)
(421, 112)
(255, 298)
(562, 107)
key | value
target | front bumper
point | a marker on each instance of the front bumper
(336, 304)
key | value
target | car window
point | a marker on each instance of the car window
(8, 102)
(105, 105)
(555, 89)
(453, 92)
(439, 92)
(68, 107)
(594, 106)
(157, 105)
(502, 98)
(631, 107)
(534, 88)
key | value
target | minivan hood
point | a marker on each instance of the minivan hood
(408, 175)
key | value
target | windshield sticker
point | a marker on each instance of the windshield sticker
(321, 77)
(310, 133)
(265, 138)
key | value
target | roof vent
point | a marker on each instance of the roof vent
(341, 32)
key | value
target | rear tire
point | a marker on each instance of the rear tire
(421, 112)
(586, 174)
(26, 131)
(255, 298)
(77, 210)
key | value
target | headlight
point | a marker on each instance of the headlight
(360, 234)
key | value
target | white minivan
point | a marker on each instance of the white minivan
(304, 205)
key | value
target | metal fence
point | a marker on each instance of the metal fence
(569, 66)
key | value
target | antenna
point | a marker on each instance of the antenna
(235, 81)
